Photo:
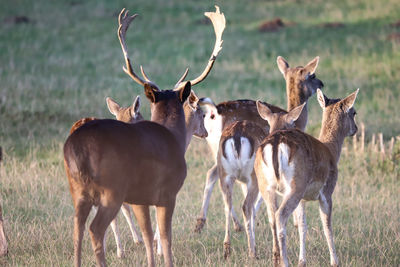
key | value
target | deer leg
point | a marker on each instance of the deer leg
(289, 204)
(248, 216)
(259, 201)
(82, 210)
(157, 239)
(226, 184)
(3, 239)
(115, 229)
(269, 196)
(126, 210)
(164, 218)
(299, 213)
(325, 212)
(105, 214)
(212, 177)
(142, 215)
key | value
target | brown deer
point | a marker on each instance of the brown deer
(128, 115)
(302, 168)
(301, 84)
(235, 162)
(194, 122)
(109, 162)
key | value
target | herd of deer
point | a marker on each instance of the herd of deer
(137, 163)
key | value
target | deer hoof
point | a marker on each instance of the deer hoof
(227, 250)
(120, 254)
(302, 263)
(276, 259)
(238, 228)
(199, 225)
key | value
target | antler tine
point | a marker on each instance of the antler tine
(182, 78)
(218, 20)
(124, 20)
(144, 74)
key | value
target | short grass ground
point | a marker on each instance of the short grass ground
(62, 61)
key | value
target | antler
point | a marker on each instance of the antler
(218, 20)
(124, 20)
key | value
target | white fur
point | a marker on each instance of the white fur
(239, 166)
(268, 167)
(286, 169)
(213, 127)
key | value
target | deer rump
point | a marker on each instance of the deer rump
(142, 162)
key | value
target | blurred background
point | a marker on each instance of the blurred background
(59, 60)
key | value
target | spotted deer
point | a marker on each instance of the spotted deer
(109, 162)
(301, 84)
(302, 168)
(235, 163)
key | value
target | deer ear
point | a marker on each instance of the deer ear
(311, 67)
(113, 106)
(282, 65)
(294, 114)
(264, 111)
(136, 105)
(193, 100)
(322, 99)
(348, 102)
(150, 92)
(185, 92)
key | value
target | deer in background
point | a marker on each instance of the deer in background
(109, 162)
(235, 162)
(302, 168)
(301, 84)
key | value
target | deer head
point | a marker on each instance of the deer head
(129, 115)
(338, 115)
(301, 82)
(279, 120)
(158, 98)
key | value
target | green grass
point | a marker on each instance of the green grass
(64, 63)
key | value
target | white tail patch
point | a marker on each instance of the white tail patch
(286, 169)
(268, 166)
(238, 164)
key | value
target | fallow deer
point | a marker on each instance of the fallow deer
(301, 84)
(128, 115)
(109, 162)
(194, 122)
(235, 162)
(303, 168)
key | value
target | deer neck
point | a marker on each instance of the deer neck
(332, 136)
(296, 97)
(173, 119)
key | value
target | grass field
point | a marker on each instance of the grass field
(60, 62)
